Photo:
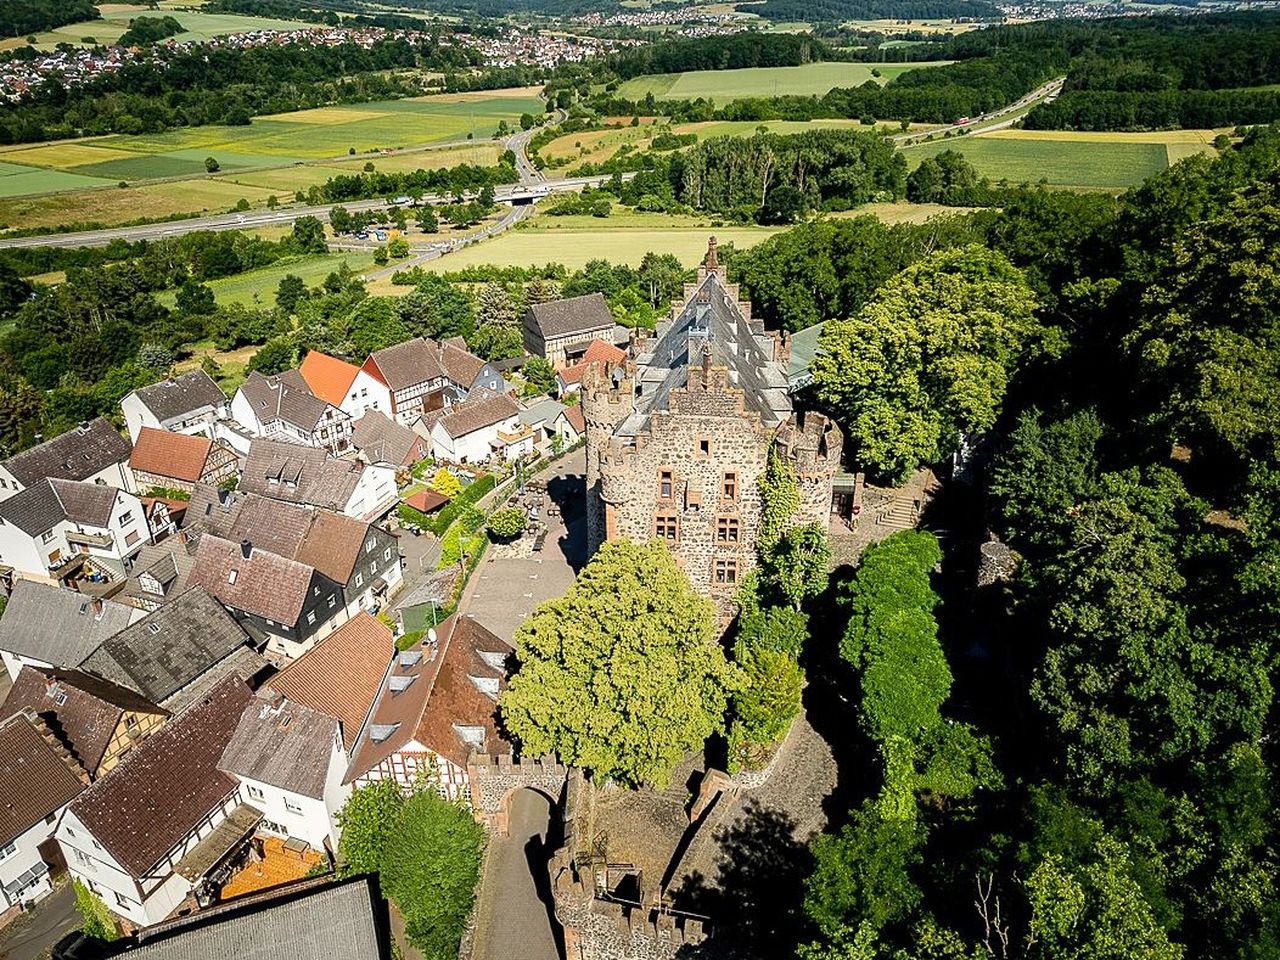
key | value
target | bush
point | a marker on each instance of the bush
(366, 820)
(505, 525)
(98, 923)
(445, 516)
(446, 484)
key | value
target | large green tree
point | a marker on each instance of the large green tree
(621, 675)
(927, 359)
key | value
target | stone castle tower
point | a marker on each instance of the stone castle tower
(678, 436)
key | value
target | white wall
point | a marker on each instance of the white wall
(366, 393)
(308, 818)
(136, 416)
(375, 492)
(14, 662)
(474, 447)
(30, 554)
(25, 856)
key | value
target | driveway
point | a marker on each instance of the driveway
(32, 936)
(506, 589)
(514, 919)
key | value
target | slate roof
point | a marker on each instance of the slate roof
(472, 415)
(409, 363)
(88, 714)
(170, 454)
(58, 626)
(441, 696)
(382, 440)
(170, 647)
(284, 744)
(302, 922)
(159, 793)
(341, 675)
(543, 413)
(74, 455)
(180, 397)
(297, 474)
(35, 778)
(169, 562)
(574, 316)
(263, 583)
(45, 503)
(284, 396)
(328, 377)
(710, 318)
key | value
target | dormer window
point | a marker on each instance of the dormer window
(472, 736)
(379, 732)
(487, 685)
(400, 684)
(231, 575)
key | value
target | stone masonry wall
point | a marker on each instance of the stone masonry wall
(494, 778)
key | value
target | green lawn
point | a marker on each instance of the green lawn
(18, 181)
(244, 287)
(812, 78)
(199, 26)
(1059, 163)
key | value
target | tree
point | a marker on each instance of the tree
(275, 356)
(429, 867)
(196, 299)
(308, 235)
(156, 356)
(436, 309)
(211, 165)
(540, 375)
(797, 564)
(375, 324)
(380, 255)
(663, 277)
(765, 705)
(494, 306)
(427, 221)
(783, 204)
(445, 483)
(289, 291)
(366, 820)
(507, 524)
(398, 248)
(341, 220)
(526, 121)
(620, 675)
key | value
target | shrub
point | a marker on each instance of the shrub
(97, 918)
(506, 524)
(446, 483)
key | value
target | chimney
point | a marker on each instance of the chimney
(712, 261)
(706, 364)
(96, 605)
(50, 686)
(84, 426)
(246, 548)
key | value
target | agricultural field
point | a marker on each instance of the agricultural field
(1177, 143)
(810, 79)
(112, 205)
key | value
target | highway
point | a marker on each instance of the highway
(987, 122)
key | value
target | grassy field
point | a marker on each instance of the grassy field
(116, 17)
(1176, 143)
(812, 78)
(257, 288)
(1062, 164)
(115, 206)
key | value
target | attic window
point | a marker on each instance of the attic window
(379, 732)
(231, 576)
(471, 736)
(153, 628)
(400, 684)
(60, 699)
(410, 658)
(497, 661)
(487, 685)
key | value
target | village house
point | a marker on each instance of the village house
(177, 461)
(159, 573)
(54, 522)
(174, 654)
(437, 706)
(190, 403)
(166, 823)
(481, 429)
(310, 476)
(678, 437)
(465, 371)
(38, 779)
(293, 574)
(549, 419)
(344, 385)
(48, 626)
(96, 721)
(412, 373)
(379, 439)
(290, 761)
(93, 452)
(569, 379)
(282, 407)
(164, 516)
(562, 330)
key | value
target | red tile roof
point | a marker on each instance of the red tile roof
(598, 352)
(426, 500)
(576, 419)
(328, 377)
(342, 674)
(170, 454)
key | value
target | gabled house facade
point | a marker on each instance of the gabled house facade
(282, 407)
(93, 452)
(311, 476)
(379, 439)
(414, 378)
(561, 330)
(190, 404)
(479, 430)
(178, 461)
(344, 385)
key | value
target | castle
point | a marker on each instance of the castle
(678, 436)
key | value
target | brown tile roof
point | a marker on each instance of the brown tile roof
(460, 366)
(332, 545)
(472, 415)
(382, 440)
(170, 454)
(576, 419)
(284, 396)
(408, 363)
(597, 352)
(83, 711)
(440, 696)
(169, 784)
(75, 455)
(328, 377)
(426, 500)
(263, 583)
(342, 674)
(285, 744)
(298, 474)
(35, 780)
(561, 318)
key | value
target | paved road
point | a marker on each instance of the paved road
(996, 120)
(514, 917)
(32, 936)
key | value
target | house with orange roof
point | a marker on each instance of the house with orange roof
(178, 461)
(344, 385)
(569, 379)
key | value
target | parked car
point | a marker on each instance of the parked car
(362, 235)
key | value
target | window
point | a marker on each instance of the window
(727, 530)
(370, 544)
(726, 571)
(131, 538)
(704, 448)
(311, 618)
(373, 566)
(666, 484)
(666, 526)
(130, 721)
(122, 900)
(8, 850)
(386, 554)
(359, 579)
(272, 827)
(729, 487)
(231, 576)
(254, 792)
(291, 806)
(46, 536)
(333, 599)
(126, 518)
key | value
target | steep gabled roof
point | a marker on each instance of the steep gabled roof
(284, 744)
(57, 626)
(460, 365)
(36, 779)
(597, 352)
(472, 415)
(179, 397)
(328, 377)
(341, 675)
(74, 455)
(168, 784)
(297, 474)
(48, 502)
(382, 440)
(284, 396)
(166, 454)
(576, 315)
(405, 364)
(252, 579)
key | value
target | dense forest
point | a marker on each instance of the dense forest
(33, 16)
(1076, 761)
(837, 11)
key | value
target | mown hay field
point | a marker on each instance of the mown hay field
(722, 85)
(1060, 163)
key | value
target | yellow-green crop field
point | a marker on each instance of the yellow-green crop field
(722, 85)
